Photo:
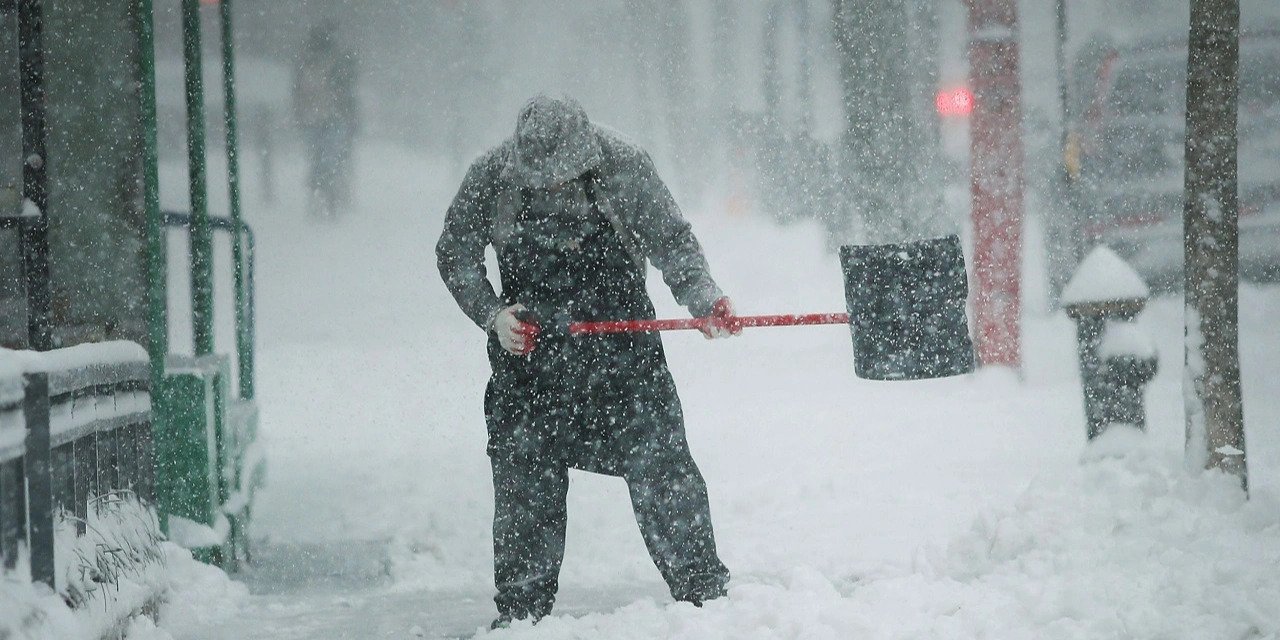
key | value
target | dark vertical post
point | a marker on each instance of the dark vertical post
(86, 481)
(1214, 407)
(108, 461)
(35, 409)
(34, 232)
(147, 462)
(127, 450)
(1060, 57)
(64, 476)
(681, 106)
(244, 344)
(724, 83)
(1089, 329)
(886, 141)
(803, 19)
(157, 255)
(772, 83)
(197, 178)
(13, 511)
(1064, 237)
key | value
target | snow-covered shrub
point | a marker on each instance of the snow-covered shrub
(121, 543)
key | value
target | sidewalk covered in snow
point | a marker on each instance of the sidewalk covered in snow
(964, 507)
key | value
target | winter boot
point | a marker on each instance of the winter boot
(708, 588)
(504, 621)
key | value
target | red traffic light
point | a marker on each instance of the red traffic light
(954, 102)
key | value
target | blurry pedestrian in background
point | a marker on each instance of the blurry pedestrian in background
(326, 111)
(574, 213)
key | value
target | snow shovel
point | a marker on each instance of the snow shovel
(906, 310)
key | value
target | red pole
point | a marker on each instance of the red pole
(638, 326)
(995, 156)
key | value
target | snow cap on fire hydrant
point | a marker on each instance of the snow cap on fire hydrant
(554, 143)
(1104, 277)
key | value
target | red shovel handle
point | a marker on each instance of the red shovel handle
(639, 326)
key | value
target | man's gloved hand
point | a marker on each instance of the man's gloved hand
(722, 322)
(516, 336)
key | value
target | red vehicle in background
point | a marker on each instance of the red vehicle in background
(1131, 121)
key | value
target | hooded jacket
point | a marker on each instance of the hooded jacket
(628, 193)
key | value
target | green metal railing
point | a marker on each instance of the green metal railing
(244, 341)
(198, 182)
(207, 465)
(241, 235)
(157, 254)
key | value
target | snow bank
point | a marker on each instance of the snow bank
(200, 597)
(197, 596)
(193, 535)
(33, 612)
(103, 577)
(1127, 545)
(116, 567)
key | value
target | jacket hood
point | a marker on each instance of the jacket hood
(554, 143)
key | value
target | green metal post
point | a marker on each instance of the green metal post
(201, 237)
(244, 342)
(157, 258)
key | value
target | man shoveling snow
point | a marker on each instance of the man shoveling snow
(573, 213)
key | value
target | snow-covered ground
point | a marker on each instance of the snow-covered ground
(964, 508)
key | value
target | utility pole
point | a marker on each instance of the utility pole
(1211, 242)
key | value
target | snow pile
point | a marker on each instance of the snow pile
(1127, 545)
(199, 597)
(116, 566)
(111, 578)
(103, 576)
(33, 612)
(193, 535)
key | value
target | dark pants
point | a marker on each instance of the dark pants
(669, 498)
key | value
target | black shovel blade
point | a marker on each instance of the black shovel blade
(907, 309)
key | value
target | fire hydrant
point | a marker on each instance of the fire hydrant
(1117, 357)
